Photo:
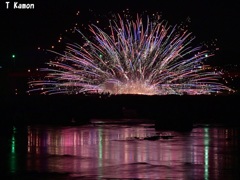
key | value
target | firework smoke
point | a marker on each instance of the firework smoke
(134, 57)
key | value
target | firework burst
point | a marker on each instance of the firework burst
(134, 57)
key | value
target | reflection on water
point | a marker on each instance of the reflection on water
(206, 152)
(123, 151)
(13, 152)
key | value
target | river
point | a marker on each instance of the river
(117, 149)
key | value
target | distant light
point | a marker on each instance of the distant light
(13, 55)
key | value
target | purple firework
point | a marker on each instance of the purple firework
(133, 58)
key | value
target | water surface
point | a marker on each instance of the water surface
(119, 150)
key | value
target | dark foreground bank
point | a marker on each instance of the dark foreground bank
(67, 109)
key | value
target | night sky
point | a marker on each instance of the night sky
(23, 31)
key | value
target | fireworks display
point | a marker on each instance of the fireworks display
(134, 56)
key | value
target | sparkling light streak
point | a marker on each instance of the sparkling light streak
(141, 56)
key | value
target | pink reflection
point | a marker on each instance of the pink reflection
(121, 152)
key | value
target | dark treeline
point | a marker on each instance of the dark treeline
(79, 109)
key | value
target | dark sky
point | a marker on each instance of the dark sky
(22, 31)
